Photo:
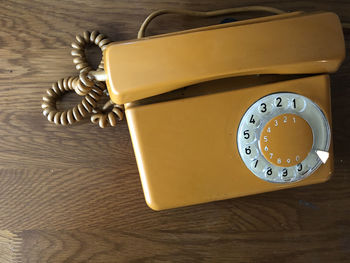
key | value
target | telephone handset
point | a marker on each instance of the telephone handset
(206, 127)
(292, 43)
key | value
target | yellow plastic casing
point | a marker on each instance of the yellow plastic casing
(186, 148)
(293, 43)
(185, 140)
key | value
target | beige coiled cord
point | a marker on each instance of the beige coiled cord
(79, 111)
(83, 85)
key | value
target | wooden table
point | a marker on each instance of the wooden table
(73, 194)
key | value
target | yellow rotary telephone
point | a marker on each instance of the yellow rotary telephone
(225, 110)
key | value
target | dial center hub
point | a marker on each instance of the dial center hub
(286, 140)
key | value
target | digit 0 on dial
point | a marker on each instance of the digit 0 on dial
(281, 136)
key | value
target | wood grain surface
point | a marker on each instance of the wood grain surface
(73, 194)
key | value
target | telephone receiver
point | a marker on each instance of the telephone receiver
(229, 110)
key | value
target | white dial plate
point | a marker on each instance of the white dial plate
(264, 110)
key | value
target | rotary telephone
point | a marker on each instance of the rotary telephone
(223, 111)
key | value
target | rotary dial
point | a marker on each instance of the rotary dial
(283, 137)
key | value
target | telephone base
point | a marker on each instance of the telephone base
(185, 141)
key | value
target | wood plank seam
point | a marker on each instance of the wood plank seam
(10, 247)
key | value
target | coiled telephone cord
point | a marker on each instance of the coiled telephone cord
(83, 85)
(76, 113)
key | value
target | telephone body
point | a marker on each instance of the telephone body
(229, 110)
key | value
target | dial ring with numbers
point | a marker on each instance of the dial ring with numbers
(315, 136)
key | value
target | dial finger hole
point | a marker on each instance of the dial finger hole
(250, 151)
(286, 174)
(297, 103)
(281, 102)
